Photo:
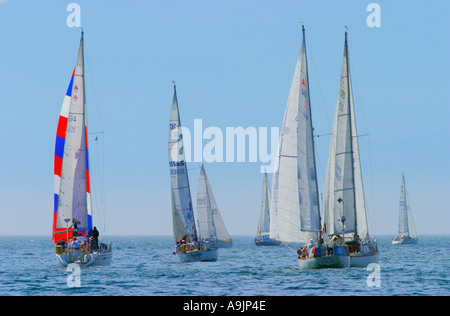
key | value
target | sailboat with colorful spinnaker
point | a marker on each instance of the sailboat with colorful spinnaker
(295, 214)
(75, 237)
(345, 217)
(188, 246)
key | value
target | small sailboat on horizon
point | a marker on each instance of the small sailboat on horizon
(210, 223)
(263, 235)
(406, 229)
(345, 218)
(76, 243)
(188, 247)
(295, 213)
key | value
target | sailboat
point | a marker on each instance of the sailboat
(188, 247)
(344, 205)
(263, 235)
(406, 228)
(211, 227)
(295, 213)
(73, 232)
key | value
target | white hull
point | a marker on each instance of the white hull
(406, 241)
(363, 260)
(198, 255)
(324, 262)
(89, 259)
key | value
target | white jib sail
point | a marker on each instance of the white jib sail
(406, 222)
(221, 230)
(307, 175)
(206, 227)
(264, 216)
(344, 192)
(285, 202)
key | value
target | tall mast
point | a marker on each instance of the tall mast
(351, 131)
(312, 132)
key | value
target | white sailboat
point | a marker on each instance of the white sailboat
(406, 228)
(188, 246)
(295, 213)
(76, 243)
(344, 205)
(211, 227)
(263, 235)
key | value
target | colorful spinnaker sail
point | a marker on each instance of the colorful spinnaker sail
(72, 197)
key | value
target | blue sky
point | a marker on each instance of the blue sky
(233, 63)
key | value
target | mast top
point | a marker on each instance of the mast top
(174, 87)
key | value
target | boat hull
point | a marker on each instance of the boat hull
(90, 259)
(198, 255)
(363, 260)
(406, 241)
(324, 262)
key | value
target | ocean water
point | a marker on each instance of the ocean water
(146, 266)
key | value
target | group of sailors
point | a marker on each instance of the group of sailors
(336, 246)
(79, 240)
(187, 244)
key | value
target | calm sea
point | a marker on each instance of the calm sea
(146, 266)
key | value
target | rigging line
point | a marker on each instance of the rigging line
(93, 90)
(290, 248)
(354, 79)
(318, 84)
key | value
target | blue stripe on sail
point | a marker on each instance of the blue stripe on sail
(87, 160)
(59, 147)
(89, 223)
(56, 203)
(69, 89)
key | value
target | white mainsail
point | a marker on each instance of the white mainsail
(264, 216)
(344, 192)
(182, 211)
(295, 205)
(406, 225)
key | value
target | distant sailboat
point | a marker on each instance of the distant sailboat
(406, 228)
(344, 205)
(295, 213)
(210, 223)
(263, 236)
(77, 243)
(188, 246)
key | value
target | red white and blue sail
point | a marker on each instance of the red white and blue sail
(72, 197)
